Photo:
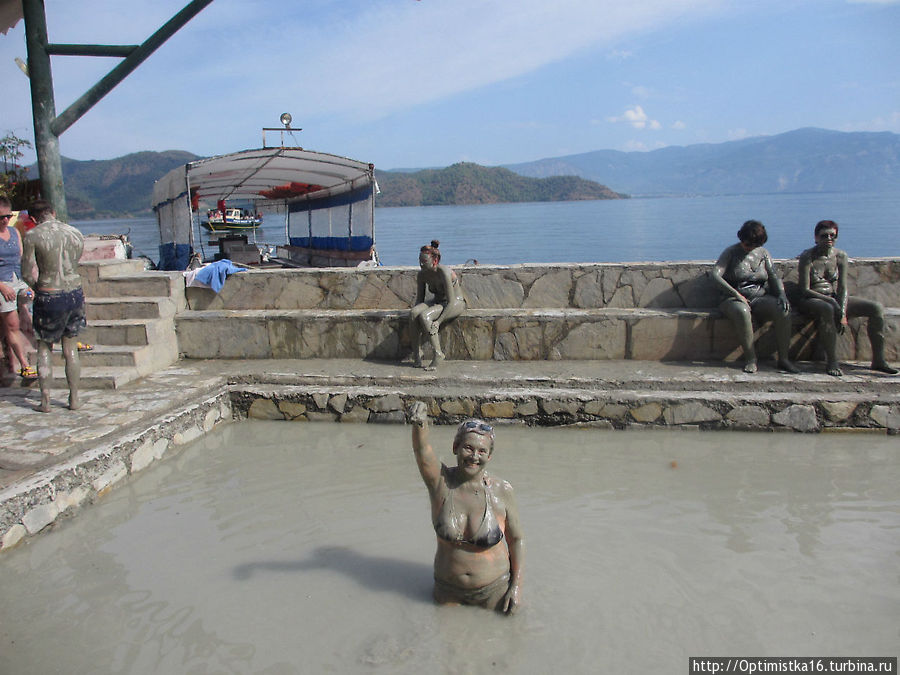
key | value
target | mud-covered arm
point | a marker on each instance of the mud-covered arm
(718, 275)
(420, 289)
(29, 263)
(426, 460)
(775, 284)
(515, 541)
(841, 290)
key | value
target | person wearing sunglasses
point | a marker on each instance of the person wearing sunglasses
(480, 545)
(11, 284)
(823, 296)
(751, 288)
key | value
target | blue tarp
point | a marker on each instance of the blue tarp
(214, 274)
(334, 243)
(174, 256)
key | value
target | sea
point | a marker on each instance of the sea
(621, 230)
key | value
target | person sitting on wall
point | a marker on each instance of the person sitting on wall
(823, 296)
(480, 545)
(747, 277)
(448, 303)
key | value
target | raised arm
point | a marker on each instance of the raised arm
(426, 460)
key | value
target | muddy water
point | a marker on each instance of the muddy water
(284, 548)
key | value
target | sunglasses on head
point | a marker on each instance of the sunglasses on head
(478, 427)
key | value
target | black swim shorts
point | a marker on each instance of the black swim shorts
(58, 314)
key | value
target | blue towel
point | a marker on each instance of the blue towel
(214, 274)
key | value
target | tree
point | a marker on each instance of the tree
(14, 184)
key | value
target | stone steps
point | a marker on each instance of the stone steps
(140, 285)
(130, 324)
(99, 309)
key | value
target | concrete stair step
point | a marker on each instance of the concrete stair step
(92, 377)
(128, 308)
(95, 270)
(134, 332)
(143, 285)
(112, 356)
(693, 378)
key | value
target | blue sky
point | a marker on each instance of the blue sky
(414, 83)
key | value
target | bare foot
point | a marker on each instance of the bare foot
(74, 402)
(750, 367)
(436, 361)
(788, 366)
(833, 370)
(44, 405)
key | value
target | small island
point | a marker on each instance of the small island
(468, 183)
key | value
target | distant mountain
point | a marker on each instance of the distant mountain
(805, 160)
(467, 183)
(116, 187)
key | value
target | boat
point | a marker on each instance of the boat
(328, 203)
(224, 219)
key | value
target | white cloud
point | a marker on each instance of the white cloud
(382, 57)
(637, 118)
(679, 125)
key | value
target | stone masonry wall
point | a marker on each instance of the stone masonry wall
(670, 285)
(642, 311)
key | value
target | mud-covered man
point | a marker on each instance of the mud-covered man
(50, 266)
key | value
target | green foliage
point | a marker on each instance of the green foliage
(14, 178)
(468, 183)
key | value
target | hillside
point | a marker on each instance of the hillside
(805, 160)
(116, 187)
(467, 183)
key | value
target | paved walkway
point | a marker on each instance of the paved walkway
(33, 441)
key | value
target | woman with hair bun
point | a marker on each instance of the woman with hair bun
(745, 274)
(447, 303)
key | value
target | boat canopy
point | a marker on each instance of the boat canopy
(329, 199)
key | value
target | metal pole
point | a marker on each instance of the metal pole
(43, 107)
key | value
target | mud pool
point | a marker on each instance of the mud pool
(274, 547)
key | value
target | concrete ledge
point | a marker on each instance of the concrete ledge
(51, 466)
(663, 334)
(575, 286)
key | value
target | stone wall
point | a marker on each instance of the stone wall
(670, 285)
(643, 311)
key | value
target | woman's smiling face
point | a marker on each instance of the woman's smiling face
(473, 452)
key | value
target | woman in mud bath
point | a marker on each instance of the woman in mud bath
(480, 547)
